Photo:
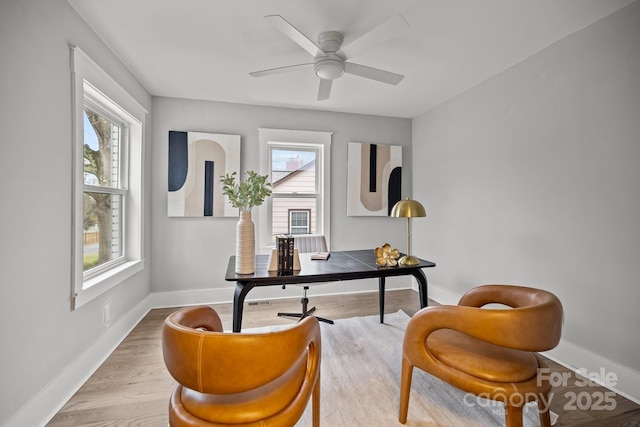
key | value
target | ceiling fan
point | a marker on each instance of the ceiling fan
(330, 57)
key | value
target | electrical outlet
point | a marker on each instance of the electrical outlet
(106, 313)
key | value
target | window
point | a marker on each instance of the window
(295, 188)
(107, 215)
(104, 192)
(297, 163)
(299, 222)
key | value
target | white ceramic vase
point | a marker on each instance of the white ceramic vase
(245, 244)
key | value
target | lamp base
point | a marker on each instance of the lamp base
(408, 260)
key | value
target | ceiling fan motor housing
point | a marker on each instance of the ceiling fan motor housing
(331, 66)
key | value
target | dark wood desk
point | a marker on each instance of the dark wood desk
(345, 265)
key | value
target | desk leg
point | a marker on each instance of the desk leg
(381, 297)
(242, 289)
(422, 287)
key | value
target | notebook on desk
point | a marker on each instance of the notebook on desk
(320, 255)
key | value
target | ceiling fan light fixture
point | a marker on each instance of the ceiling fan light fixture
(329, 69)
(330, 57)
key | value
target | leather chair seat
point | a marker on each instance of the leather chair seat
(480, 358)
(245, 407)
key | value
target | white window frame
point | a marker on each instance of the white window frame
(94, 86)
(307, 213)
(94, 100)
(292, 139)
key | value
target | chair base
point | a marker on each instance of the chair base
(305, 312)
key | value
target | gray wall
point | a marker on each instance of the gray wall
(192, 253)
(533, 178)
(40, 335)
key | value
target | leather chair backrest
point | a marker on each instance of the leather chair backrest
(533, 323)
(200, 356)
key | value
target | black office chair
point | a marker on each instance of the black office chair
(308, 243)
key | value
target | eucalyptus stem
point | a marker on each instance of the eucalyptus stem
(246, 194)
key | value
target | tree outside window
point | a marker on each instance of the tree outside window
(102, 202)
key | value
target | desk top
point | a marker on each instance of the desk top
(341, 265)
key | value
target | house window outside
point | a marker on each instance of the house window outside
(107, 188)
(295, 188)
(297, 163)
(299, 222)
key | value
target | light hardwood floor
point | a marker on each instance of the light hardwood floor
(132, 387)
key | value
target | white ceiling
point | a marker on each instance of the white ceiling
(205, 49)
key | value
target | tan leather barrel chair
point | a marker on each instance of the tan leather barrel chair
(243, 379)
(489, 352)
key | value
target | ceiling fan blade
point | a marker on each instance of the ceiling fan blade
(280, 70)
(383, 32)
(294, 34)
(373, 73)
(324, 90)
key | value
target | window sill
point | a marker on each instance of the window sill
(98, 285)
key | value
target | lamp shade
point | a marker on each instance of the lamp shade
(408, 208)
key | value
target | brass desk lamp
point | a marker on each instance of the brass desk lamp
(408, 209)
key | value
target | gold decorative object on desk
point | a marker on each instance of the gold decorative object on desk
(408, 209)
(385, 256)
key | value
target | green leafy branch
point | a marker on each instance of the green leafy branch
(248, 193)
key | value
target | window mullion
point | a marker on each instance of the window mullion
(106, 190)
(296, 195)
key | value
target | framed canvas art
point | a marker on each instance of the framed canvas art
(374, 178)
(196, 162)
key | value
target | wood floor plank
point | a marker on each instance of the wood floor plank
(132, 387)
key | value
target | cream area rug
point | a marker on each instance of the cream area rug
(360, 382)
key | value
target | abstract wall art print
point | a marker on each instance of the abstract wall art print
(374, 178)
(196, 162)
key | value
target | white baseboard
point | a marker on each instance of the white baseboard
(47, 402)
(607, 373)
(225, 295)
(441, 295)
(582, 360)
(44, 405)
(192, 297)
